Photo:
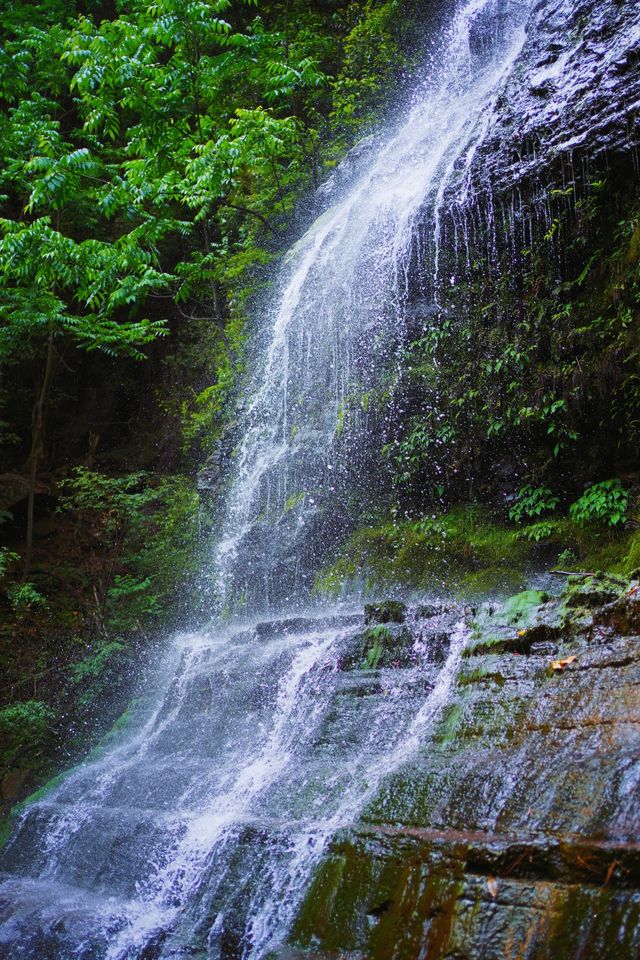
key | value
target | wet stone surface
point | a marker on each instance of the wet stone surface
(512, 832)
(198, 833)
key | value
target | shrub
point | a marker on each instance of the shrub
(532, 502)
(24, 727)
(605, 502)
(147, 527)
(536, 532)
(24, 598)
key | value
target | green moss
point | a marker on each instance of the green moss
(597, 547)
(380, 900)
(46, 788)
(313, 919)
(591, 591)
(333, 580)
(449, 723)
(631, 560)
(468, 678)
(513, 625)
(523, 608)
(466, 549)
(496, 645)
(491, 580)
(605, 922)
(469, 551)
(293, 501)
(7, 824)
(6, 829)
(124, 722)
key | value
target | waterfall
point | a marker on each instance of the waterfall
(197, 833)
(339, 318)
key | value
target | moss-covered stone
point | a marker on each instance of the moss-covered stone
(511, 832)
(389, 611)
(380, 645)
(514, 625)
(414, 893)
(593, 590)
(467, 550)
(470, 551)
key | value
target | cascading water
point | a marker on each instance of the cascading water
(197, 834)
(339, 320)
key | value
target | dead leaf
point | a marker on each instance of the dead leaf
(492, 886)
(561, 664)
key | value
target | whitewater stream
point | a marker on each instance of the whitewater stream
(195, 831)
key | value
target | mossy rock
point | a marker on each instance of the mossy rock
(515, 625)
(523, 609)
(469, 677)
(622, 617)
(380, 645)
(389, 611)
(592, 591)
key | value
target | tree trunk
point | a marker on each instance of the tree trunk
(37, 449)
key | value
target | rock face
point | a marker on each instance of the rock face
(513, 833)
(350, 167)
(575, 94)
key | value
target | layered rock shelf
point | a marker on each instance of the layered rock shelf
(513, 832)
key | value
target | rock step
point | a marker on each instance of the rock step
(267, 629)
(565, 859)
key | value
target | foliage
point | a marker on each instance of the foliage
(151, 157)
(372, 58)
(93, 665)
(24, 598)
(536, 532)
(605, 502)
(26, 722)
(7, 557)
(532, 502)
(567, 558)
(376, 639)
(147, 528)
(533, 359)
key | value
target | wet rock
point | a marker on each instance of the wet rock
(414, 894)
(426, 611)
(512, 832)
(622, 617)
(524, 623)
(267, 629)
(593, 591)
(287, 953)
(380, 645)
(389, 611)
(587, 79)
(353, 164)
(16, 785)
